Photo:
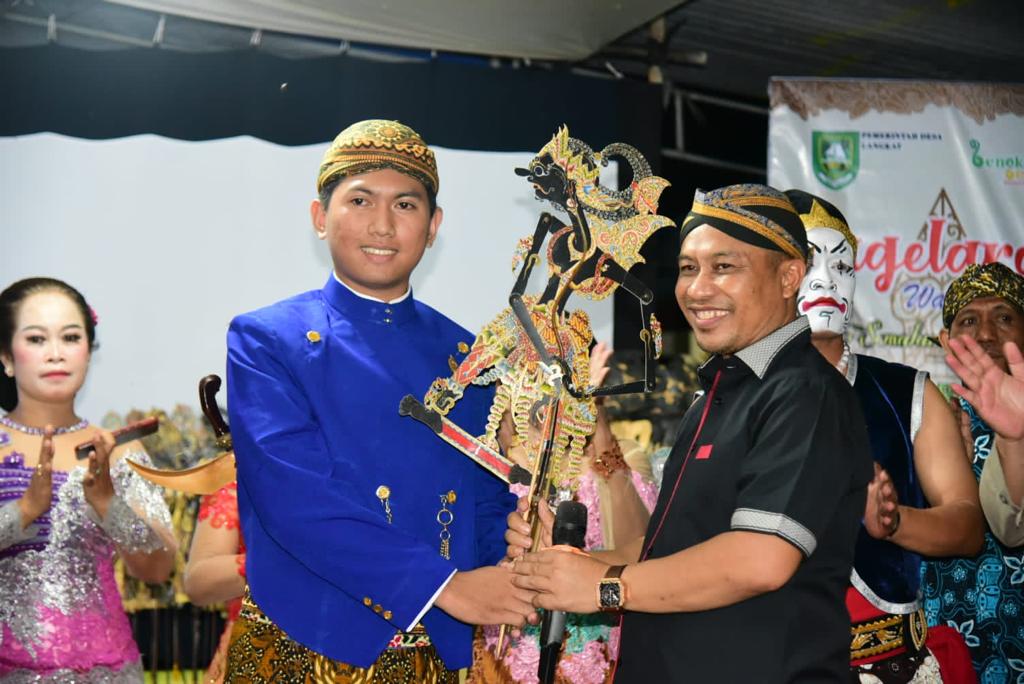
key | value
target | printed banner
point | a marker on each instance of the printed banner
(930, 177)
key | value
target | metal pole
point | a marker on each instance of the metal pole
(677, 99)
(80, 30)
(727, 103)
(716, 163)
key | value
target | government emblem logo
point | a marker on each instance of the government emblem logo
(836, 157)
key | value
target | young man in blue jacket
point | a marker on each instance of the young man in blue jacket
(372, 545)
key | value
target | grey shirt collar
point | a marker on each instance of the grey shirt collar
(760, 354)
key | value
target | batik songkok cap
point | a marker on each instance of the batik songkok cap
(990, 280)
(755, 214)
(377, 144)
(818, 213)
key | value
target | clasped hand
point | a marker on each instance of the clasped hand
(487, 596)
(560, 577)
(37, 497)
(97, 484)
(881, 510)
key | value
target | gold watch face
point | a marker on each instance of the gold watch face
(611, 593)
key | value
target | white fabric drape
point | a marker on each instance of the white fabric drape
(536, 29)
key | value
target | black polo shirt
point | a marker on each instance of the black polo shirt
(783, 450)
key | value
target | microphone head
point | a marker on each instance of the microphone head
(570, 524)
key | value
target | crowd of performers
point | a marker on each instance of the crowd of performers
(820, 517)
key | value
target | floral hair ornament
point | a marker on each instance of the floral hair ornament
(93, 316)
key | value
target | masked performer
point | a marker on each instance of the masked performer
(923, 499)
(370, 543)
(983, 596)
(63, 520)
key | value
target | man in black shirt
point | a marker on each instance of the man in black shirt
(742, 572)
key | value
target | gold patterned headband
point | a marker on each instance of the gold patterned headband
(819, 217)
(990, 280)
(379, 144)
(737, 206)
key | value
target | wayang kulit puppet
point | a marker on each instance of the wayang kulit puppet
(536, 351)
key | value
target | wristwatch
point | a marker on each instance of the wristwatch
(611, 590)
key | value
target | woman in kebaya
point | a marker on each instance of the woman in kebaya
(63, 520)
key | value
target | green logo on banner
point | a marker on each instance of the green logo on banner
(836, 157)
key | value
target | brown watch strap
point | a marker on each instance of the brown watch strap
(614, 571)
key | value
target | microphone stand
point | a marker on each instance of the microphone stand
(570, 528)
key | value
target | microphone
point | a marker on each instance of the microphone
(570, 528)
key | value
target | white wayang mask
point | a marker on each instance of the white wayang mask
(826, 294)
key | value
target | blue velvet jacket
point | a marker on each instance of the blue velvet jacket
(892, 400)
(314, 384)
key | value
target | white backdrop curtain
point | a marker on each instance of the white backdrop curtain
(170, 239)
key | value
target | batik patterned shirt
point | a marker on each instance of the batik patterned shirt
(982, 597)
